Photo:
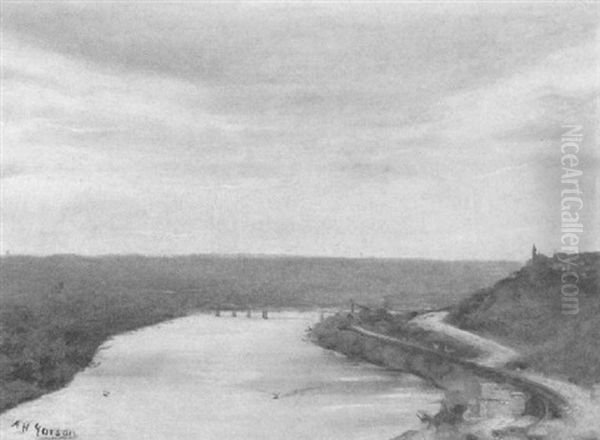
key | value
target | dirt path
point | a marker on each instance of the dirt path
(493, 354)
(555, 400)
(584, 411)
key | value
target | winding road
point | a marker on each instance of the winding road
(580, 407)
(555, 403)
(493, 354)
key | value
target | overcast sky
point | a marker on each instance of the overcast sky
(391, 130)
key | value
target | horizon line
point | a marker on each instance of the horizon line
(253, 255)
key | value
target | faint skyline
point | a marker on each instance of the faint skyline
(364, 129)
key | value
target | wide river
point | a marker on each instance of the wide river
(203, 378)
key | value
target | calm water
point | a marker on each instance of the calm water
(204, 378)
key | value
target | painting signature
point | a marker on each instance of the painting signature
(23, 426)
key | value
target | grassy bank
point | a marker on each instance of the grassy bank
(56, 311)
(44, 343)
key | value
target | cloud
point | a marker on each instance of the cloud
(523, 107)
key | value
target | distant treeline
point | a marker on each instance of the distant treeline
(56, 311)
(278, 281)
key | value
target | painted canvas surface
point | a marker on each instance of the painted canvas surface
(299, 220)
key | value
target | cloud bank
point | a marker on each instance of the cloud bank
(415, 130)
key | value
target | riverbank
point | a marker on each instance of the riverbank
(44, 347)
(531, 406)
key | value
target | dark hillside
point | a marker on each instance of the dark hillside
(527, 310)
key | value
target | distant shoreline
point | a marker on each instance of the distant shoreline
(262, 256)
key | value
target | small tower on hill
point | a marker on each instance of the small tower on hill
(533, 254)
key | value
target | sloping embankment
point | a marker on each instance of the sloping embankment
(554, 403)
(443, 370)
